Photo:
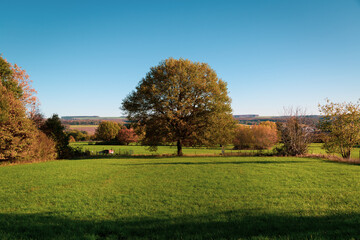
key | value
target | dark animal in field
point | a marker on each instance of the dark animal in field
(107, 151)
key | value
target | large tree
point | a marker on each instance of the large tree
(181, 102)
(341, 123)
(20, 140)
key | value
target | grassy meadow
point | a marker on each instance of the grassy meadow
(181, 198)
(314, 148)
(143, 150)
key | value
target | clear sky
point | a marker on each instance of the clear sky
(84, 57)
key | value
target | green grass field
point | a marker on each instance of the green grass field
(181, 198)
(143, 150)
(314, 148)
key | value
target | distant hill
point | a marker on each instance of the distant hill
(259, 119)
(78, 117)
(246, 116)
(90, 120)
(248, 119)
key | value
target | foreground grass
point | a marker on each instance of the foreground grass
(181, 198)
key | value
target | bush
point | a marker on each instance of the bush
(78, 135)
(43, 148)
(126, 136)
(76, 152)
(256, 137)
(296, 136)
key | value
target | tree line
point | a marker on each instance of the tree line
(185, 102)
(178, 102)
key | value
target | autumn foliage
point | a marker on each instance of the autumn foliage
(182, 102)
(126, 136)
(262, 136)
(341, 125)
(108, 130)
(20, 139)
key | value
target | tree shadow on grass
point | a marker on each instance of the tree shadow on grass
(223, 225)
(209, 163)
(165, 156)
(343, 162)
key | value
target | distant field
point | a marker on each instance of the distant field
(181, 198)
(87, 128)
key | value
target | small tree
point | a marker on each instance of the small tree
(126, 136)
(54, 129)
(341, 123)
(107, 130)
(296, 134)
(180, 102)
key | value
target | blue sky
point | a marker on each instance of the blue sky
(84, 57)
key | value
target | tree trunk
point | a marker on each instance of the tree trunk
(346, 154)
(179, 148)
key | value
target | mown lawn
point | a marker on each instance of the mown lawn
(168, 150)
(143, 150)
(314, 148)
(181, 198)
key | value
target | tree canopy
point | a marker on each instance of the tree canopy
(341, 123)
(181, 102)
(20, 140)
(54, 129)
(107, 130)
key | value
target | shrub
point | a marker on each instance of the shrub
(255, 137)
(78, 135)
(126, 136)
(296, 136)
(43, 148)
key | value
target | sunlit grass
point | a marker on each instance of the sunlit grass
(144, 150)
(314, 148)
(181, 198)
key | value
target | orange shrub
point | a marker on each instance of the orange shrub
(261, 136)
(126, 136)
(42, 149)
